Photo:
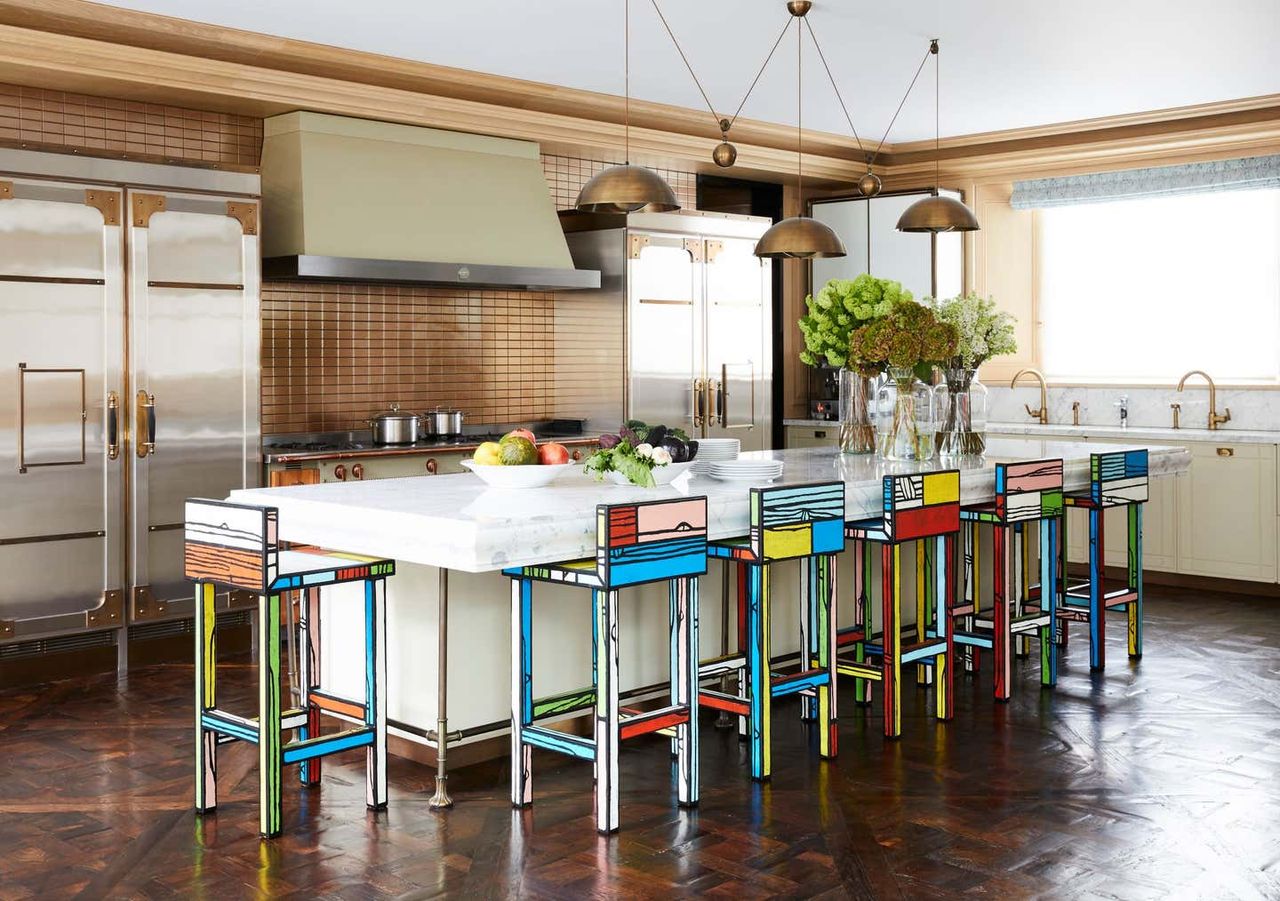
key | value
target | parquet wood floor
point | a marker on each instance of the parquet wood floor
(1158, 779)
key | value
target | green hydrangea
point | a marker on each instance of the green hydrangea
(839, 309)
(984, 331)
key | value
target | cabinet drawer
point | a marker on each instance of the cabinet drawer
(1227, 512)
(813, 436)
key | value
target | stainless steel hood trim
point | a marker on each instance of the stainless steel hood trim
(310, 267)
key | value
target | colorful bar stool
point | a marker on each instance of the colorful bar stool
(922, 508)
(1116, 479)
(234, 546)
(1025, 492)
(795, 522)
(656, 541)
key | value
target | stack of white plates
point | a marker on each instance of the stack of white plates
(746, 470)
(714, 450)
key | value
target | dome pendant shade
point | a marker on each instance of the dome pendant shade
(627, 189)
(937, 214)
(799, 237)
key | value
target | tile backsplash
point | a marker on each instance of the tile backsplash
(1251, 408)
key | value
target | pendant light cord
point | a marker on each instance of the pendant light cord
(626, 81)
(813, 35)
(800, 119)
(937, 117)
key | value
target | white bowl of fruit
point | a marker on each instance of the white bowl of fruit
(518, 461)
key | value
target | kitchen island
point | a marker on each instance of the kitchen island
(456, 523)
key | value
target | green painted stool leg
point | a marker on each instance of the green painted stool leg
(206, 678)
(1135, 579)
(270, 760)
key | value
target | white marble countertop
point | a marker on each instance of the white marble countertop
(1227, 435)
(456, 521)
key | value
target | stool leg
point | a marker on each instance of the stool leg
(824, 638)
(1049, 601)
(1000, 637)
(684, 683)
(861, 615)
(1135, 580)
(309, 667)
(971, 590)
(943, 668)
(522, 688)
(744, 641)
(724, 719)
(1022, 643)
(1097, 609)
(375, 682)
(891, 659)
(1061, 635)
(606, 604)
(270, 759)
(759, 687)
(922, 605)
(206, 627)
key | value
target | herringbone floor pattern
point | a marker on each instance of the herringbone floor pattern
(1158, 779)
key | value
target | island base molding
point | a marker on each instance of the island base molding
(1185, 581)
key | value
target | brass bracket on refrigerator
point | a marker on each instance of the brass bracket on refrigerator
(713, 250)
(244, 213)
(109, 613)
(105, 202)
(6, 190)
(693, 246)
(7, 627)
(636, 244)
(145, 605)
(145, 206)
(239, 599)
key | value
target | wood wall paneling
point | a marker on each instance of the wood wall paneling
(1005, 269)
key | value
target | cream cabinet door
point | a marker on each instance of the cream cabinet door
(1227, 512)
(809, 436)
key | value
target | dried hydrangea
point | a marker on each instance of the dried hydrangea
(908, 336)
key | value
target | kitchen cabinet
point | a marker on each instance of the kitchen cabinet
(1227, 512)
(810, 436)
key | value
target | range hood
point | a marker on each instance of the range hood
(357, 200)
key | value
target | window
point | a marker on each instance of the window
(1143, 290)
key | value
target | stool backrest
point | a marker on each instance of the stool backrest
(797, 521)
(1118, 478)
(1028, 490)
(922, 505)
(231, 544)
(651, 541)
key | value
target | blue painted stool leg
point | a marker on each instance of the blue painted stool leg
(375, 710)
(809, 602)
(521, 689)
(206, 659)
(270, 759)
(606, 725)
(309, 627)
(1049, 601)
(1097, 609)
(943, 663)
(1135, 579)
(685, 687)
(759, 684)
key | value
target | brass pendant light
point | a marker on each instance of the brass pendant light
(627, 188)
(799, 237)
(936, 213)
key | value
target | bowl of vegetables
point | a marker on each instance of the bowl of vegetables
(642, 455)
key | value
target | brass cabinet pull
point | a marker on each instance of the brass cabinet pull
(113, 425)
(146, 430)
(340, 472)
(715, 397)
(432, 466)
(1226, 452)
(357, 472)
(820, 433)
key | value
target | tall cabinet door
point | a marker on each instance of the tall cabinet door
(738, 363)
(665, 383)
(61, 360)
(194, 358)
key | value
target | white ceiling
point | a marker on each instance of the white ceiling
(1005, 63)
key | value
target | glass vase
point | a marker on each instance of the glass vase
(961, 402)
(857, 436)
(905, 420)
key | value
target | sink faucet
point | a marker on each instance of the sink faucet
(1215, 418)
(1123, 405)
(1042, 415)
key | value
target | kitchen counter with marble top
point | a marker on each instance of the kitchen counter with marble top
(457, 522)
(1228, 435)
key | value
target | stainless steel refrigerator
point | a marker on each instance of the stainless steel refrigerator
(129, 380)
(695, 307)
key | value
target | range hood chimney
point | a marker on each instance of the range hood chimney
(358, 200)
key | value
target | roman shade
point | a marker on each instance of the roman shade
(1248, 173)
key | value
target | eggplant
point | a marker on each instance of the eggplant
(691, 451)
(678, 450)
(608, 442)
(657, 434)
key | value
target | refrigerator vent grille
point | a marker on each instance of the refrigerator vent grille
(151, 631)
(62, 644)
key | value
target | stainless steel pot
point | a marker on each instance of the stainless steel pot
(395, 427)
(443, 423)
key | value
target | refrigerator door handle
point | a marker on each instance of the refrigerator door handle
(723, 398)
(697, 400)
(146, 424)
(715, 401)
(113, 425)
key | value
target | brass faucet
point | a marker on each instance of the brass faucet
(1043, 413)
(1215, 418)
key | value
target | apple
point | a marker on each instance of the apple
(521, 433)
(552, 454)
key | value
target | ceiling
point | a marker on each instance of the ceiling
(1005, 63)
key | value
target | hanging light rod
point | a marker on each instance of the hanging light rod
(937, 213)
(627, 188)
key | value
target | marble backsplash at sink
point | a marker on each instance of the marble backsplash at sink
(1253, 408)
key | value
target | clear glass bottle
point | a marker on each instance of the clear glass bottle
(905, 417)
(857, 392)
(961, 402)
